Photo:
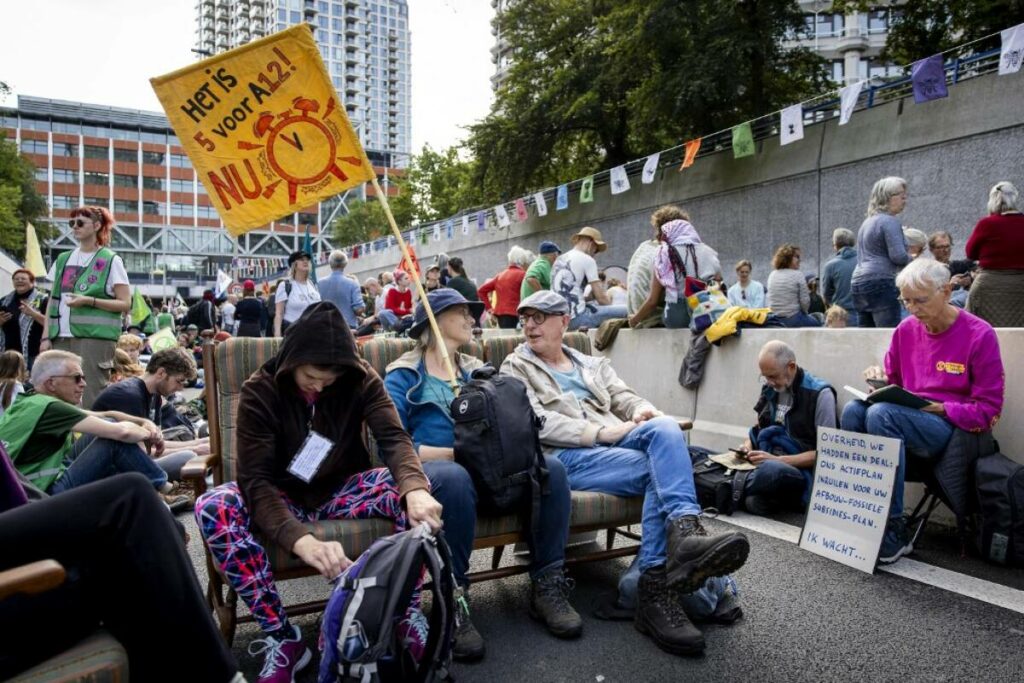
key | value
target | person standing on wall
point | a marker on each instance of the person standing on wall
(90, 295)
(296, 293)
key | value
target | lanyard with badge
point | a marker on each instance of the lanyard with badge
(312, 453)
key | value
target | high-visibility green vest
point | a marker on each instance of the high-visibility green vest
(86, 322)
(16, 428)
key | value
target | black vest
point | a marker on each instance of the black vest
(800, 419)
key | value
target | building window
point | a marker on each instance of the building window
(36, 147)
(126, 206)
(178, 185)
(156, 158)
(64, 202)
(152, 208)
(65, 175)
(42, 174)
(151, 183)
(94, 152)
(94, 178)
(96, 131)
(122, 180)
(838, 70)
(61, 127)
(160, 138)
(179, 161)
(129, 155)
(181, 210)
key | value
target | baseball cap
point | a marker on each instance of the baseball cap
(547, 247)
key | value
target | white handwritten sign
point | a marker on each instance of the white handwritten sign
(850, 499)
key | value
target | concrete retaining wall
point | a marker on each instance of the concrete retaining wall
(951, 152)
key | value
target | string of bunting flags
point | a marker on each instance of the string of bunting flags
(927, 80)
(266, 266)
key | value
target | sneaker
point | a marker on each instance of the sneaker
(694, 557)
(549, 602)
(469, 644)
(412, 633)
(896, 542)
(660, 616)
(282, 658)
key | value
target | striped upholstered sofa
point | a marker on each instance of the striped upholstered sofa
(229, 364)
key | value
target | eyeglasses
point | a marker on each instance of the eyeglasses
(79, 222)
(78, 377)
(537, 317)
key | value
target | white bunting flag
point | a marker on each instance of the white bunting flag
(848, 100)
(650, 168)
(465, 225)
(542, 206)
(1012, 54)
(502, 215)
(792, 124)
(620, 180)
(437, 232)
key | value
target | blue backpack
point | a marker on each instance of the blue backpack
(360, 637)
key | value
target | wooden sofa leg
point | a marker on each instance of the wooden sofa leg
(609, 539)
(227, 616)
(496, 556)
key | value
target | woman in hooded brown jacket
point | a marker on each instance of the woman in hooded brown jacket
(301, 459)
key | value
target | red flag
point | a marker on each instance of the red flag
(521, 214)
(415, 264)
(692, 147)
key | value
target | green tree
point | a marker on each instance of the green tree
(597, 83)
(19, 200)
(927, 27)
(365, 221)
(440, 183)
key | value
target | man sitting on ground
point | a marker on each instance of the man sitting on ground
(945, 355)
(167, 373)
(37, 432)
(793, 404)
(613, 441)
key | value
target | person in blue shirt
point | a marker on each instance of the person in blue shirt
(419, 385)
(342, 291)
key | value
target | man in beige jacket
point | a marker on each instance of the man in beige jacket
(613, 441)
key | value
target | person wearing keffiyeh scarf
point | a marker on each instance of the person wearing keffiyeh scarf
(669, 266)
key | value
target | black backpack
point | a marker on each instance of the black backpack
(359, 635)
(717, 486)
(1000, 486)
(497, 440)
(195, 314)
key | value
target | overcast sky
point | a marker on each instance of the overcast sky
(105, 52)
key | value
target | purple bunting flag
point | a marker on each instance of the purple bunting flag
(929, 79)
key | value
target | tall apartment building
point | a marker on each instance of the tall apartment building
(364, 43)
(850, 42)
(131, 162)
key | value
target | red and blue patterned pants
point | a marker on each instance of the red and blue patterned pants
(226, 525)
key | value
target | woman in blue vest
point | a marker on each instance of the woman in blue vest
(90, 295)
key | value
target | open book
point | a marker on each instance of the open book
(890, 394)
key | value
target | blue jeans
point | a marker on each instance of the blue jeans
(452, 487)
(877, 303)
(915, 428)
(699, 604)
(780, 485)
(652, 461)
(800, 319)
(93, 459)
(387, 319)
(595, 315)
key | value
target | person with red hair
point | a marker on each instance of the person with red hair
(90, 295)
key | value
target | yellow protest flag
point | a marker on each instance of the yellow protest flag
(33, 254)
(264, 129)
(162, 339)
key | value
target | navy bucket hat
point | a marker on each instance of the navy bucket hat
(441, 300)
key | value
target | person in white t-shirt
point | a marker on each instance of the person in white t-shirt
(573, 271)
(296, 293)
(227, 314)
(90, 295)
(746, 293)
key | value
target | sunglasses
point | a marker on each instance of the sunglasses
(79, 378)
(79, 222)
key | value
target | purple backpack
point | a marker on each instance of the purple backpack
(365, 625)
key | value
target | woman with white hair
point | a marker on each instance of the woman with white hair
(881, 252)
(506, 287)
(916, 241)
(945, 355)
(997, 243)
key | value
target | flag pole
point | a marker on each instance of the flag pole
(441, 348)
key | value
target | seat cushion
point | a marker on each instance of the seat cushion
(381, 352)
(354, 535)
(96, 659)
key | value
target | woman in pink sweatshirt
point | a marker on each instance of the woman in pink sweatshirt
(945, 355)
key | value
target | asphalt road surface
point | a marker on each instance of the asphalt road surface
(933, 617)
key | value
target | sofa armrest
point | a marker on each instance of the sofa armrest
(195, 470)
(32, 578)
(685, 423)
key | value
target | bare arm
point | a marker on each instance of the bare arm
(278, 317)
(597, 289)
(649, 305)
(534, 284)
(118, 431)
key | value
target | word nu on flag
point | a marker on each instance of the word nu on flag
(264, 129)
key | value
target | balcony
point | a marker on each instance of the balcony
(222, 28)
(309, 9)
(852, 40)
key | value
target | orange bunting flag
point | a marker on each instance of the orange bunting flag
(404, 265)
(692, 147)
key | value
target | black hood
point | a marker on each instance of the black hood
(319, 337)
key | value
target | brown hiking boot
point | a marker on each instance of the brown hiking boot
(660, 616)
(694, 557)
(549, 602)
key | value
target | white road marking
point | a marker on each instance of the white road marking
(954, 582)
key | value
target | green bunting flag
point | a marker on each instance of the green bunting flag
(742, 141)
(587, 190)
(141, 315)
